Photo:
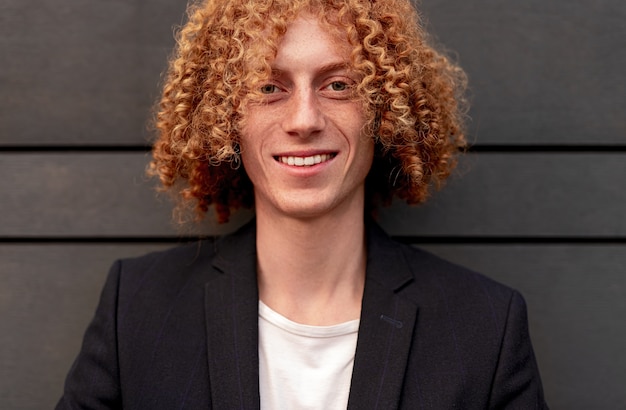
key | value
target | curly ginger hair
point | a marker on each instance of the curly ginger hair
(411, 94)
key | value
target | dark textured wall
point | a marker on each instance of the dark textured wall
(539, 203)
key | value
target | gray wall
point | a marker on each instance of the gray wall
(539, 203)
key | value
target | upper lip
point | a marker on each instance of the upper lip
(307, 153)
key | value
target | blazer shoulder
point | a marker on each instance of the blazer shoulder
(457, 282)
(168, 265)
(427, 266)
(183, 254)
(403, 265)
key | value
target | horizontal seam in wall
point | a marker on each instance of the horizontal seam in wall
(523, 149)
(445, 240)
(73, 148)
(510, 240)
(478, 148)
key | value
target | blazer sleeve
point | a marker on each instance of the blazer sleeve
(93, 380)
(517, 384)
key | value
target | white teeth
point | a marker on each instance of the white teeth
(305, 161)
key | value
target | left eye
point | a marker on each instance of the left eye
(338, 86)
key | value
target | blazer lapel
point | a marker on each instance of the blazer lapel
(231, 306)
(386, 328)
(231, 309)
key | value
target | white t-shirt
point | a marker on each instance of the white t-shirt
(302, 366)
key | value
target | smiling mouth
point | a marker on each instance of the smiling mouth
(305, 161)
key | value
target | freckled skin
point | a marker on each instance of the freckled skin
(307, 111)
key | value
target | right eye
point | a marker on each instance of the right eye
(269, 89)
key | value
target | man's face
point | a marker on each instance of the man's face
(303, 145)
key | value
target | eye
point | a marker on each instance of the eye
(338, 86)
(268, 89)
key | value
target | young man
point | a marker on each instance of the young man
(328, 106)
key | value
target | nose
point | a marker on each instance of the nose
(303, 116)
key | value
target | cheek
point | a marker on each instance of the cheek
(249, 136)
(363, 158)
(253, 129)
(249, 152)
(249, 158)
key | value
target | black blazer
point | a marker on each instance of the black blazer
(179, 330)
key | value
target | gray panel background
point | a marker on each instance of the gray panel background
(557, 64)
(550, 222)
(493, 194)
(89, 70)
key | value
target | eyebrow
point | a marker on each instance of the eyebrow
(342, 65)
(334, 67)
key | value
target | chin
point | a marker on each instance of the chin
(317, 206)
(306, 211)
(310, 203)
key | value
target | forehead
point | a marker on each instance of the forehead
(309, 40)
(298, 32)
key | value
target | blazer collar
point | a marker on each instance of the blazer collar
(386, 327)
(231, 311)
(385, 332)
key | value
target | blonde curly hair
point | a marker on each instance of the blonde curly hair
(412, 96)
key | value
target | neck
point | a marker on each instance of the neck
(312, 271)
